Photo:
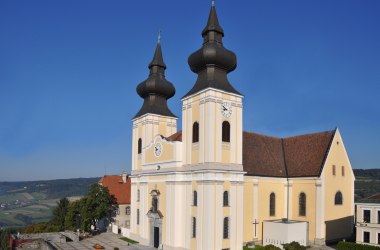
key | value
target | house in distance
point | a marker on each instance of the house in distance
(120, 187)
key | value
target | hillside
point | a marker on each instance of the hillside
(28, 202)
(367, 183)
(23, 203)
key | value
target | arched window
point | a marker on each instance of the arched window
(139, 146)
(194, 232)
(226, 131)
(225, 199)
(195, 199)
(225, 228)
(338, 198)
(195, 132)
(138, 194)
(302, 204)
(272, 204)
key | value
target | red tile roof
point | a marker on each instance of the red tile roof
(175, 137)
(121, 190)
(298, 156)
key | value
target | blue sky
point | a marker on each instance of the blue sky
(69, 69)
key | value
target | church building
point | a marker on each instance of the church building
(212, 185)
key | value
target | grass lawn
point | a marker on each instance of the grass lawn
(128, 240)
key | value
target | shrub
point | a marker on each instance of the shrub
(293, 246)
(271, 247)
(354, 246)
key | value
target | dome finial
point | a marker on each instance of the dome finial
(159, 36)
(213, 3)
(212, 62)
(156, 90)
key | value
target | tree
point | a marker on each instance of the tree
(4, 238)
(59, 213)
(96, 205)
(73, 218)
(99, 204)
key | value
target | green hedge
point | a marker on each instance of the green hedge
(293, 246)
(354, 246)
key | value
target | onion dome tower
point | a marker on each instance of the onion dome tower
(156, 90)
(212, 62)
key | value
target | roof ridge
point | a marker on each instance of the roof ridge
(249, 132)
(294, 136)
(313, 133)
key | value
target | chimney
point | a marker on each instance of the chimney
(124, 176)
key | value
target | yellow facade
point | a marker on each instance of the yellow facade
(233, 201)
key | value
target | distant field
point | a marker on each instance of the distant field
(41, 197)
(36, 213)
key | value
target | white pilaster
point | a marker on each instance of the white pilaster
(320, 213)
(239, 216)
(255, 208)
(233, 215)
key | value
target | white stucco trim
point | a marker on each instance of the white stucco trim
(208, 89)
(143, 117)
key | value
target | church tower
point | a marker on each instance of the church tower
(212, 144)
(154, 117)
(212, 109)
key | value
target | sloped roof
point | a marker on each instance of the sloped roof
(372, 199)
(121, 190)
(298, 156)
(175, 137)
(263, 155)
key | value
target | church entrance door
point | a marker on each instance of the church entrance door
(156, 237)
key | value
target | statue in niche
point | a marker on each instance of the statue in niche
(154, 204)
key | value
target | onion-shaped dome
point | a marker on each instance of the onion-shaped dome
(212, 62)
(156, 90)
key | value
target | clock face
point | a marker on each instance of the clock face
(226, 109)
(157, 149)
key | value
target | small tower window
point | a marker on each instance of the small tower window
(138, 216)
(302, 204)
(272, 204)
(226, 131)
(127, 210)
(194, 233)
(196, 132)
(139, 146)
(225, 228)
(225, 199)
(195, 199)
(342, 170)
(333, 170)
(338, 198)
(138, 194)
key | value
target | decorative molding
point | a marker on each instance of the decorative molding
(207, 89)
